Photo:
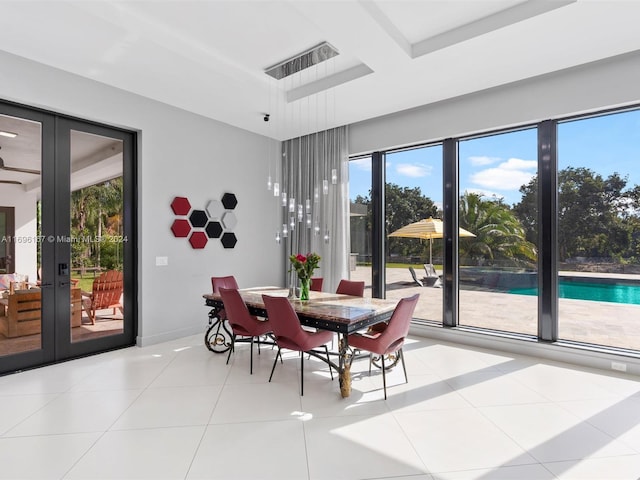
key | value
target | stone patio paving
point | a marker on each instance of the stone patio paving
(601, 323)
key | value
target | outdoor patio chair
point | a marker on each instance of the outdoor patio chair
(105, 294)
(432, 279)
(415, 277)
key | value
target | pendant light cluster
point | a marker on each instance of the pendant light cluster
(302, 212)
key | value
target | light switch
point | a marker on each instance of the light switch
(162, 261)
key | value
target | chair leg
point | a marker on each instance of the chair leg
(370, 362)
(301, 375)
(328, 360)
(233, 342)
(400, 352)
(274, 363)
(384, 379)
(251, 358)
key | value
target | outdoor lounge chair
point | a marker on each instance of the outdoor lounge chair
(415, 277)
(432, 279)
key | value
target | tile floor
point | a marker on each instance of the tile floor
(177, 411)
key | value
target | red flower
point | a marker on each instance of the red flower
(301, 258)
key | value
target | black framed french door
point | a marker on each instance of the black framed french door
(71, 184)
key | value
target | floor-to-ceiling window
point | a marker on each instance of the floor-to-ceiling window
(413, 193)
(497, 234)
(554, 204)
(599, 230)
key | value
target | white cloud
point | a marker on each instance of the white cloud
(519, 164)
(415, 170)
(501, 178)
(362, 164)
(481, 161)
(486, 194)
(509, 175)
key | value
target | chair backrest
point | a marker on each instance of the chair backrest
(351, 287)
(316, 284)
(392, 338)
(285, 323)
(107, 289)
(237, 311)
(415, 278)
(430, 271)
(224, 282)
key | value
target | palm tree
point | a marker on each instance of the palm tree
(499, 234)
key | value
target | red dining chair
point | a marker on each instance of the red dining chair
(390, 339)
(241, 321)
(351, 287)
(316, 284)
(223, 282)
(290, 335)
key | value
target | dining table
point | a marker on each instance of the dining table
(342, 314)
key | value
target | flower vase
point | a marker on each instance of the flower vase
(304, 288)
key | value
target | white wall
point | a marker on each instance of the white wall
(26, 252)
(609, 83)
(180, 154)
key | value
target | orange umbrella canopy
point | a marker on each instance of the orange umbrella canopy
(428, 228)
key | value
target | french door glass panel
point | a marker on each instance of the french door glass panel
(97, 236)
(20, 244)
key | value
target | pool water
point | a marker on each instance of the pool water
(597, 292)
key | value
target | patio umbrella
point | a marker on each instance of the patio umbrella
(429, 228)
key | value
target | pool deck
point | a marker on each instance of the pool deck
(602, 323)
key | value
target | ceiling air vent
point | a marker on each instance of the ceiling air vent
(306, 59)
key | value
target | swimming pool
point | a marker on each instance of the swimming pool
(597, 292)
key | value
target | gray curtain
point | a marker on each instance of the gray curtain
(317, 207)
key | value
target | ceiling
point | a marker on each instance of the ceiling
(209, 57)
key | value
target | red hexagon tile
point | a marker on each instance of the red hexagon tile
(181, 228)
(198, 239)
(180, 205)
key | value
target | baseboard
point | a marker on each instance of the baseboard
(581, 355)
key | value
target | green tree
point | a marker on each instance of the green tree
(404, 205)
(500, 237)
(96, 211)
(595, 214)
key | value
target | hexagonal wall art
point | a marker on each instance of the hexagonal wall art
(216, 218)
(229, 240)
(180, 205)
(214, 229)
(229, 221)
(180, 228)
(215, 209)
(198, 218)
(198, 240)
(229, 201)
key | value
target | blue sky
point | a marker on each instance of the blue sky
(499, 164)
